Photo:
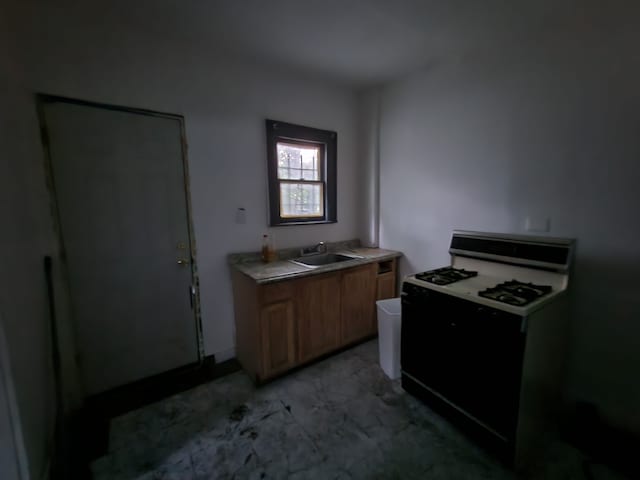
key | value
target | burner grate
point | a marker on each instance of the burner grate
(515, 292)
(445, 275)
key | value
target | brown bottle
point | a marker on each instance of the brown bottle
(268, 249)
(265, 248)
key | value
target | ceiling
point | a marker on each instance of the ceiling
(357, 42)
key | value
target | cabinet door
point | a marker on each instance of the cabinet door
(358, 290)
(318, 302)
(386, 285)
(277, 330)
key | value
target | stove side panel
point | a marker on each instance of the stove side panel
(543, 376)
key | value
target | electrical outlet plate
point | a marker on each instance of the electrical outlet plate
(241, 216)
(537, 224)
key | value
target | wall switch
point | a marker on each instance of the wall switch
(241, 216)
(537, 224)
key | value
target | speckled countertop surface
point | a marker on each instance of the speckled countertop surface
(283, 269)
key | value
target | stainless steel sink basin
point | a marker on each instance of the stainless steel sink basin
(321, 259)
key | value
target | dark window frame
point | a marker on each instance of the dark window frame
(290, 133)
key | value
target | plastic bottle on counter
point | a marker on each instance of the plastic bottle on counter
(268, 249)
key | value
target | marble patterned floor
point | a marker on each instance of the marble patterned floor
(341, 418)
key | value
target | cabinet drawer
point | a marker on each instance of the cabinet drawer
(275, 292)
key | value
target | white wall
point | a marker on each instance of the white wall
(369, 152)
(547, 128)
(224, 102)
(25, 237)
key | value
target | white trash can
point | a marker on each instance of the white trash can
(389, 322)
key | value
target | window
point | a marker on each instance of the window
(302, 174)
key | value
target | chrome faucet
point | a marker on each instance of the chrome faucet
(317, 248)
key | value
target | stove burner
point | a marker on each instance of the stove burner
(445, 275)
(516, 293)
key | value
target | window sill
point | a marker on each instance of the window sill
(311, 222)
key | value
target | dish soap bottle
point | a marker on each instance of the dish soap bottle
(268, 249)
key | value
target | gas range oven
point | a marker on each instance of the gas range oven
(483, 339)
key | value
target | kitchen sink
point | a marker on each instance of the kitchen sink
(321, 259)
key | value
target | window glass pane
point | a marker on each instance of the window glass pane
(297, 162)
(301, 200)
(309, 175)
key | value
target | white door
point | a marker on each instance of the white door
(120, 189)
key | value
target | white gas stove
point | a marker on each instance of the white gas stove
(483, 339)
(514, 273)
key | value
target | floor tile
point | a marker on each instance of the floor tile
(340, 418)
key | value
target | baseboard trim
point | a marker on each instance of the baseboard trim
(225, 355)
(134, 395)
(90, 426)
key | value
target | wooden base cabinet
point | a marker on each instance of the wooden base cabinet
(284, 324)
(357, 293)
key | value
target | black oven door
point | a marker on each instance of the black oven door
(466, 353)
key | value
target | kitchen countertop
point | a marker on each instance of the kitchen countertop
(251, 265)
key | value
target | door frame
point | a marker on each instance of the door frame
(41, 101)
